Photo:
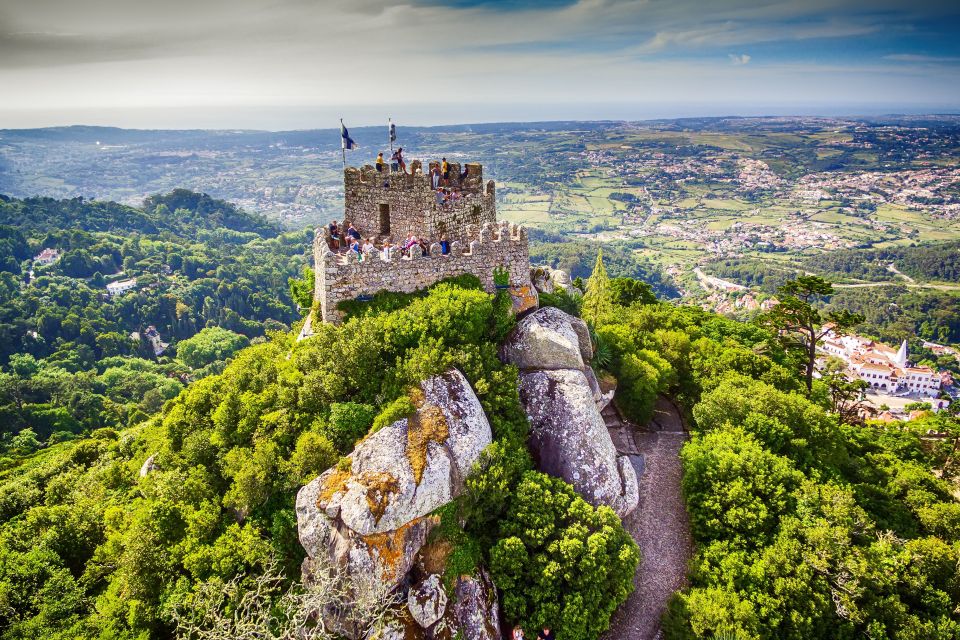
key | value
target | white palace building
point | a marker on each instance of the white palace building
(885, 370)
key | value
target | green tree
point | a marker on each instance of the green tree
(597, 299)
(560, 562)
(802, 324)
(626, 291)
(212, 344)
(847, 396)
(25, 442)
(301, 289)
(735, 488)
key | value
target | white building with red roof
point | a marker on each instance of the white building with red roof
(886, 370)
(47, 256)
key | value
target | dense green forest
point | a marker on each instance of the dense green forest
(91, 549)
(577, 257)
(806, 528)
(894, 312)
(928, 262)
(935, 262)
(75, 358)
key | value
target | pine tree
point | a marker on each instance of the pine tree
(597, 300)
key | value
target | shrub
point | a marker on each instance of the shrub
(348, 422)
(562, 300)
(641, 376)
(560, 562)
(313, 455)
(735, 489)
(400, 408)
(626, 291)
(210, 345)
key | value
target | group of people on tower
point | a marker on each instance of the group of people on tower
(439, 172)
(396, 161)
(346, 238)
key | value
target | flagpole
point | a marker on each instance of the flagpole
(343, 146)
(390, 134)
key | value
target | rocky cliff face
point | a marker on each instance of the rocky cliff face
(374, 516)
(560, 394)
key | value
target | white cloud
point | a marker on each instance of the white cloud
(739, 60)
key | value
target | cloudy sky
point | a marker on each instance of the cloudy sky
(278, 64)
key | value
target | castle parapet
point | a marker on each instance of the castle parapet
(416, 178)
(341, 277)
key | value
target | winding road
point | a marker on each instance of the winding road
(659, 525)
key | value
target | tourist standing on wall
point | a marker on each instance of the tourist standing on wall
(435, 176)
(380, 162)
(445, 171)
(398, 158)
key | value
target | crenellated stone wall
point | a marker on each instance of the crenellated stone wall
(342, 277)
(392, 203)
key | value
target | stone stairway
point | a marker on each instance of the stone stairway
(666, 417)
(621, 431)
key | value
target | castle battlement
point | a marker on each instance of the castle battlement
(342, 277)
(390, 204)
(416, 178)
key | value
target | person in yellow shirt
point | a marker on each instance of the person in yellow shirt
(380, 162)
(445, 171)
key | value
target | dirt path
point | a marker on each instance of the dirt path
(660, 526)
(893, 269)
(712, 282)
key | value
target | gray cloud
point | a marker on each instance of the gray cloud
(256, 54)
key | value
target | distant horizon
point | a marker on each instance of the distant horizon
(303, 119)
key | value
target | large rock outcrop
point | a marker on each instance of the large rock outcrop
(571, 441)
(374, 516)
(427, 601)
(476, 610)
(562, 400)
(548, 339)
(471, 613)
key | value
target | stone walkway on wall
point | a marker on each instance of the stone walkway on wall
(659, 525)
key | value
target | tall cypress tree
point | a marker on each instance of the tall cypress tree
(597, 300)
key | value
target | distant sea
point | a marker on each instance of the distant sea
(284, 118)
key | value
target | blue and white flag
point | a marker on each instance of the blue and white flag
(346, 142)
(393, 131)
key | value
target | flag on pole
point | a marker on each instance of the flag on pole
(346, 142)
(393, 131)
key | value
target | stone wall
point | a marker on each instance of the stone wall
(342, 277)
(393, 203)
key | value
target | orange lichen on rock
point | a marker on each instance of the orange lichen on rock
(334, 483)
(380, 485)
(523, 298)
(426, 426)
(433, 556)
(390, 547)
(416, 396)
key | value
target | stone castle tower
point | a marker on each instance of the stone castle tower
(388, 205)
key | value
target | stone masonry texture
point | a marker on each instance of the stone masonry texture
(388, 205)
